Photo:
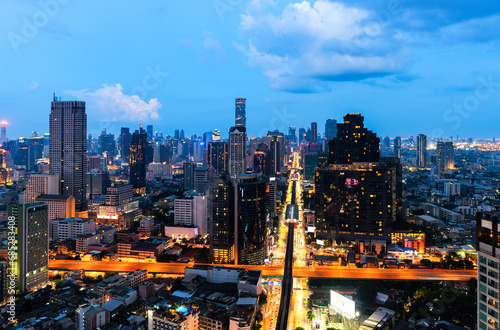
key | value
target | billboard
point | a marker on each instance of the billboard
(311, 229)
(343, 304)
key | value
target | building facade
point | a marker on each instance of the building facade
(68, 149)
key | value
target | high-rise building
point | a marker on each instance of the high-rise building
(60, 206)
(39, 184)
(222, 221)
(138, 161)
(68, 148)
(240, 112)
(32, 224)
(330, 129)
(488, 262)
(421, 150)
(302, 135)
(353, 143)
(97, 183)
(126, 137)
(356, 196)
(273, 159)
(149, 131)
(397, 147)
(216, 135)
(192, 211)
(176, 134)
(218, 156)
(189, 175)
(259, 162)
(106, 143)
(272, 190)
(445, 155)
(250, 223)
(237, 150)
(314, 133)
(3, 137)
(292, 134)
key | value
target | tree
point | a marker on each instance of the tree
(259, 317)
(262, 299)
(310, 315)
(426, 263)
(299, 328)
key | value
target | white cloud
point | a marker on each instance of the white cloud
(34, 85)
(312, 42)
(109, 103)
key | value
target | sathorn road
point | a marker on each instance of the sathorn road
(312, 271)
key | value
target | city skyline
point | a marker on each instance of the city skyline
(185, 71)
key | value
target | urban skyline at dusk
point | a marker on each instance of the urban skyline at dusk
(249, 165)
(409, 67)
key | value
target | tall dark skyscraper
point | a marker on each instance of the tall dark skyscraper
(273, 159)
(330, 129)
(397, 147)
(445, 155)
(302, 135)
(240, 112)
(126, 137)
(138, 161)
(314, 132)
(237, 150)
(250, 222)
(292, 134)
(421, 150)
(107, 144)
(68, 148)
(218, 156)
(353, 143)
(356, 196)
(176, 134)
(32, 244)
(259, 162)
(222, 221)
(149, 130)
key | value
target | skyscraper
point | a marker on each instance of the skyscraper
(138, 161)
(273, 159)
(149, 130)
(353, 143)
(126, 137)
(292, 134)
(397, 147)
(222, 221)
(314, 132)
(218, 156)
(356, 196)
(302, 135)
(41, 184)
(421, 150)
(237, 150)
(488, 259)
(445, 155)
(331, 129)
(3, 137)
(32, 223)
(189, 175)
(68, 148)
(216, 135)
(240, 112)
(106, 143)
(250, 223)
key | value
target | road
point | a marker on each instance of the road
(300, 272)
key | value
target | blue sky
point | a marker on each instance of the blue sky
(408, 66)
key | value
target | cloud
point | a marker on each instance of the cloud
(308, 45)
(312, 43)
(34, 85)
(109, 103)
